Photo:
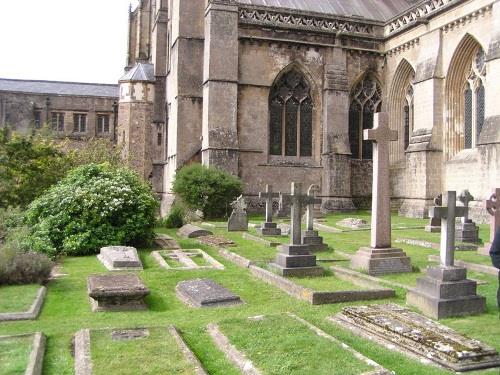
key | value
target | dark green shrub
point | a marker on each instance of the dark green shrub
(207, 189)
(94, 206)
(175, 218)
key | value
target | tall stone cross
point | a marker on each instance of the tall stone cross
(493, 208)
(268, 195)
(297, 201)
(381, 135)
(465, 197)
(447, 213)
(311, 193)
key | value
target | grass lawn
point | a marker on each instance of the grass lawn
(157, 353)
(279, 344)
(17, 298)
(67, 310)
(14, 355)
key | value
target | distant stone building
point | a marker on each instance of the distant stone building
(276, 91)
(74, 110)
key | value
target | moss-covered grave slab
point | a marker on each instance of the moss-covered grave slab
(411, 333)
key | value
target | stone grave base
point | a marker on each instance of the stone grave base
(400, 329)
(433, 228)
(485, 250)
(314, 240)
(116, 292)
(120, 258)
(269, 229)
(192, 231)
(381, 261)
(445, 292)
(296, 260)
(467, 232)
(205, 293)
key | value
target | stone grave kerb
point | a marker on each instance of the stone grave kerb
(268, 228)
(447, 213)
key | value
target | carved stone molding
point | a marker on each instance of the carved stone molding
(403, 47)
(459, 22)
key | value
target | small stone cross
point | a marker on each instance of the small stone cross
(311, 193)
(493, 208)
(381, 135)
(268, 195)
(447, 213)
(297, 200)
(465, 197)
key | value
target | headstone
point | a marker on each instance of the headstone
(295, 259)
(445, 290)
(380, 258)
(353, 223)
(493, 207)
(166, 242)
(238, 221)
(116, 292)
(268, 228)
(192, 231)
(467, 230)
(434, 225)
(119, 258)
(310, 236)
(401, 329)
(205, 293)
(185, 259)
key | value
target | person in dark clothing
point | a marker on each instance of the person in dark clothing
(495, 259)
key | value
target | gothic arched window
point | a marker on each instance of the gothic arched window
(474, 97)
(408, 116)
(290, 120)
(366, 99)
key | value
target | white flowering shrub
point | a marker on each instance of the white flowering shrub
(94, 206)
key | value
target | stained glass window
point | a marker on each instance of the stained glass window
(406, 125)
(366, 99)
(290, 116)
(479, 110)
(468, 117)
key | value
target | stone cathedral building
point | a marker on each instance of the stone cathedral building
(276, 91)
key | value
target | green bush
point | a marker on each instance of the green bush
(19, 267)
(207, 189)
(175, 219)
(94, 206)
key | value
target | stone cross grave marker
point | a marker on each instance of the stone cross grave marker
(434, 225)
(447, 213)
(445, 291)
(493, 208)
(467, 230)
(380, 257)
(310, 236)
(295, 258)
(268, 228)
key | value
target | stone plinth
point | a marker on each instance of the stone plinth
(467, 232)
(444, 292)
(314, 240)
(192, 231)
(296, 260)
(269, 229)
(381, 261)
(117, 258)
(205, 293)
(411, 333)
(434, 225)
(116, 292)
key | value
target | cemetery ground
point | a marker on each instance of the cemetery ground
(275, 342)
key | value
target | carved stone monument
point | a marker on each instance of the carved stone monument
(467, 230)
(445, 290)
(310, 236)
(434, 225)
(295, 259)
(380, 258)
(268, 228)
(238, 221)
(493, 208)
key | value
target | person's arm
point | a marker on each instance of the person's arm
(495, 250)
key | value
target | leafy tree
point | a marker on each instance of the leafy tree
(208, 189)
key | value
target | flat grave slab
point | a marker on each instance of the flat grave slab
(214, 240)
(120, 258)
(414, 334)
(29, 314)
(116, 292)
(162, 347)
(30, 347)
(192, 231)
(353, 223)
(166, 242)
(185, 259)
(205, 293)
(285, 333)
